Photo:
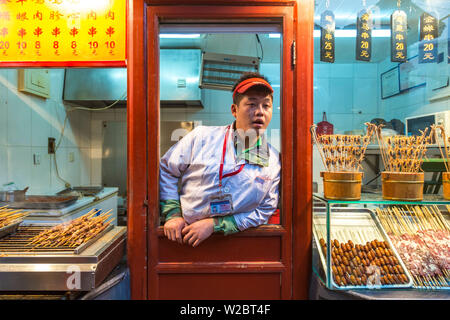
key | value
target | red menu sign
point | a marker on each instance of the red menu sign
(62, 32)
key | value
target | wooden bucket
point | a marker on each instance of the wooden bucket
(342, 185)
(402, 186)
(446, 184)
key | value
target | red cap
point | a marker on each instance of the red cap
(248, 83)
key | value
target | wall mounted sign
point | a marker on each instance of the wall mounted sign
(62, 33)
(398, 36)
(364, 36)
(428, 45)
(327, 28)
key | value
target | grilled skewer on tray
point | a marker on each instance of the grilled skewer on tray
(74, 233)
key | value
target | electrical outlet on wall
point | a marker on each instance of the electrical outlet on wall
(71, 157)
(36, 159)
(51, 145)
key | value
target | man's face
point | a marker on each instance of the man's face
(254, 111)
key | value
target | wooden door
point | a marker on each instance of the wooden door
(254, 264)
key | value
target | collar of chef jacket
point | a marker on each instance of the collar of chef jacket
(257, 154)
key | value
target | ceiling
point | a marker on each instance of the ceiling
(244, 44)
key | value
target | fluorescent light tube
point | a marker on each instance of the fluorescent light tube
(178, 36)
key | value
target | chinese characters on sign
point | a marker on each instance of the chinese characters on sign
(398, 36)
(61, 31)
(364, 35)
(428, 46)
(327, 28)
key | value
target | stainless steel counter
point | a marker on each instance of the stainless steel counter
(47, 271)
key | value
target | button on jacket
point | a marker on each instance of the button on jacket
(195, 161)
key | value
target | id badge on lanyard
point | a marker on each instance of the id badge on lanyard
(222, 204)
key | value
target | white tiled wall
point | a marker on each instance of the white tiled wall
(94, 173)
(348, 93)
(26, 123)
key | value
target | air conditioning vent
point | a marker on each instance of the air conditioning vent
(220, 71)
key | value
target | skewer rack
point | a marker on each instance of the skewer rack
(18, 242)
(60, 269)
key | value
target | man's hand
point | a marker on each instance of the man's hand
(173, 227)
(200, 230)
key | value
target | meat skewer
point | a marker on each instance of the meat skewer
(74, 233)
(10, 216)
(425, 249)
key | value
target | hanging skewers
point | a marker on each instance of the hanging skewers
(343, 153)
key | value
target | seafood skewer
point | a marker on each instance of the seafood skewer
(343, 152)
(404, 154)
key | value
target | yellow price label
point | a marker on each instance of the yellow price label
(63, 32)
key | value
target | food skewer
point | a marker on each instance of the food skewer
(401, 153)
(445, 158)
(342, 152)
(75, 233)
(421, 247)
(10, 216)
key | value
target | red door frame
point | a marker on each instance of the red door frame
(303, 115)
(136, 151)
(142, 225)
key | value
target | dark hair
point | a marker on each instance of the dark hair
(247, 75)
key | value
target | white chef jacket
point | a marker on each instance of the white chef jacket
(196, 158)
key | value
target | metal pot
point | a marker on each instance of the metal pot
(13, 196)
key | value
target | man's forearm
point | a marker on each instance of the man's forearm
(170, 209)
(226, 225)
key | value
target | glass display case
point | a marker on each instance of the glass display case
(381, 244)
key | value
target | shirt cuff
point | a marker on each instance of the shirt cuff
(170, 209)
(227, 225)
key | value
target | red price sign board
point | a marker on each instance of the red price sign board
(67, 33)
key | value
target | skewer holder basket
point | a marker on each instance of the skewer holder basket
(342, 185)
(402, 186)
(446, 184)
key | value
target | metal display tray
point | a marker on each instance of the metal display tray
(10, 228)
(86, 191)
(42, 202)
(63, 272)
(354, 221)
